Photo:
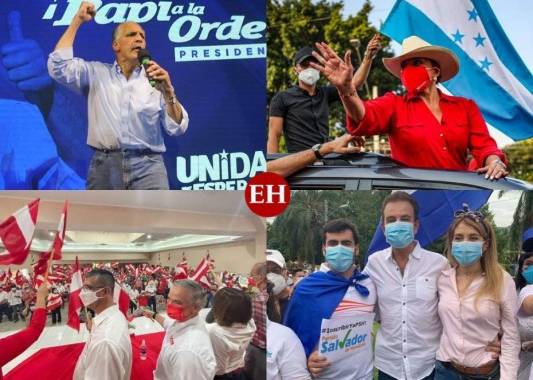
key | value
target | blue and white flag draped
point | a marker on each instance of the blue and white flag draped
(491, 71)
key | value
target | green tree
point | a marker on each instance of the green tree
(520, 156)
(522, 220)
(297, 233)
(293, 24)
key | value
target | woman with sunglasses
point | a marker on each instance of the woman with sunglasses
(524, 287)
(477, 301)
(426, 128)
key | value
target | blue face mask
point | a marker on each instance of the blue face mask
(467, 252)
(339, 257)
(528, 274)
(399, 234)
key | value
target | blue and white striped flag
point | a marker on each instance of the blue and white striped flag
(436, 213)
(491, 71)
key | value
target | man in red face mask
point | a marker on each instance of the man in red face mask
(426, 128)
(186, 353)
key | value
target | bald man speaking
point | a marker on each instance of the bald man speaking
(129, 107)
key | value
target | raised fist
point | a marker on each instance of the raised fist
(86, 12)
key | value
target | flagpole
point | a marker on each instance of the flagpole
(50, 261)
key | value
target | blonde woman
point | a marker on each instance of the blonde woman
(477, 302)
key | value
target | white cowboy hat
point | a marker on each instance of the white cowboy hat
(415, 47)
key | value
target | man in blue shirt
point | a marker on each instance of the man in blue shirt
(126, 114)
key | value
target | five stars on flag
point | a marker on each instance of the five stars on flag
(479, 39)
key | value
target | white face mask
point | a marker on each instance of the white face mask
(88, 297)
(279, 282)
(309, 76)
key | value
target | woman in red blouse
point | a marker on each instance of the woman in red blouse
(15, 344)
(426, 128)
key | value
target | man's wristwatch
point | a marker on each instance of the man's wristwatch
(316, 151)
(172, 100)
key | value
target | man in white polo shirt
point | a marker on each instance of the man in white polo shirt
(107, 353)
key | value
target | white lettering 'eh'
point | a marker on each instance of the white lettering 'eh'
(257, 195)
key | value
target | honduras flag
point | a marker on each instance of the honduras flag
(436, 213)
(491, 72)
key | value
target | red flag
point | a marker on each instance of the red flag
(16, 233)
(60, 234)
(121, 298)
(40, 268)
(204, 282)
(201, 270)
(54, 301)
(74, 301)
(200, 274)
(19, 279)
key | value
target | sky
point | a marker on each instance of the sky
(503, 207)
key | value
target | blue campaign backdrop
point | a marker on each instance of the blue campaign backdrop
(218, 71)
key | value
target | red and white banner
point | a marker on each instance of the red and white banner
(40, 268)
(200, 274)
(74, 301)
(16, 233)
(54, 301)
(59, 239)
(121, 298)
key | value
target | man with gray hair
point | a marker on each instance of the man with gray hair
(186, 353)
(126, 114)
(107, 354)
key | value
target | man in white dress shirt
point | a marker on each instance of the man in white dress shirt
(126, 113)
(186, 353)
(107, 353)
(405, 276)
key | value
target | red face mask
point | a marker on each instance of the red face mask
(175, 312)
(415, 79)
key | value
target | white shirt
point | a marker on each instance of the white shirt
(107, 353)
(134, 293)
(409, 336)
(525, 323)
(150, 288)
(353, 304)
(186, 353)
(15, 298)
(229, 344)
(285, 354)
(125, 113)
(525, 328)
(4, 296)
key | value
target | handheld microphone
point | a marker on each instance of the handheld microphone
(144, 58)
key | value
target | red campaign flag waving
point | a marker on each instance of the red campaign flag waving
(54, 301)
(200, 274)
(19, 279)
(121, 298)
(40, 268)
(16, 234)
(74, 301)
(60, 234)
